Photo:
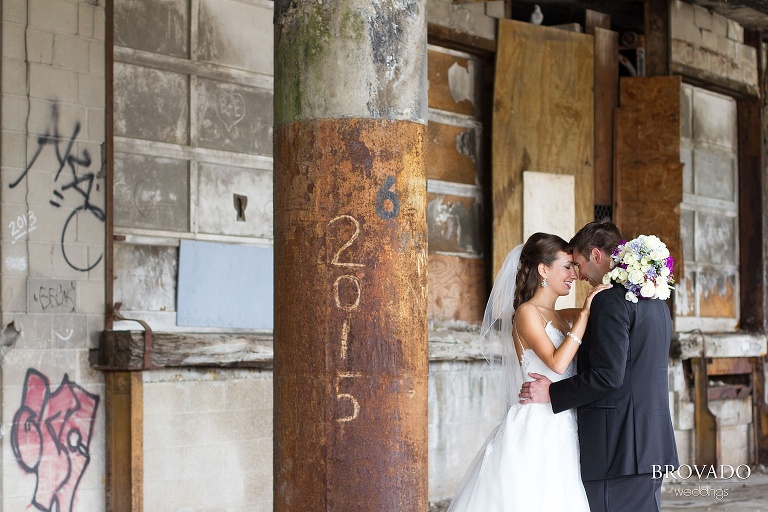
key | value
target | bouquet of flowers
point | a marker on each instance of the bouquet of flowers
(644, 267)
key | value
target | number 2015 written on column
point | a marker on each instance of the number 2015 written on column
(349, 304)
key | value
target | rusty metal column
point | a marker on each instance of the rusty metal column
(351, 362)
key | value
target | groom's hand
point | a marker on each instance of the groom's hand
(535, 392)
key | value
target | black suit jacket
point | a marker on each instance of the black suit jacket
(621, 389)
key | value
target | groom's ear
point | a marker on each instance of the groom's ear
(597, 255)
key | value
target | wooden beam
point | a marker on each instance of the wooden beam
(760, 412)
(456, 40)
(752, 208)
(706, 449)
(593, 19)
(124, 397)
(124, 350)
(606, 101)
(729, 366)
(657, 38)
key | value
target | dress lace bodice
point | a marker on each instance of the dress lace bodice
(530, 362)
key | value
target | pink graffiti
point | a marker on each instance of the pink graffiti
(50, 437)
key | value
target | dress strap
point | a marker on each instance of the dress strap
(542, 316)
(516, 334)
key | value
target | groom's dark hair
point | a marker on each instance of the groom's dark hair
(602, 234)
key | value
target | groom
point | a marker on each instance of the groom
(621, 389)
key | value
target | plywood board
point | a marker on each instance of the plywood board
(649, 176)
(543, 119)
(456, 289)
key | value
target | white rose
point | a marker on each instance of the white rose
(630, 297)
(655, 255)
(636, 276)
(664, 292)
(664, 252)
(648, 290)
(629, 258)
(607, 277)
(664, 272)
(623, 274)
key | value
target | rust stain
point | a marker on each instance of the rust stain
(716, 295)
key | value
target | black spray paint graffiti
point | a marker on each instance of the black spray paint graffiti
(51, 436)
(59, 298)
(82, 184)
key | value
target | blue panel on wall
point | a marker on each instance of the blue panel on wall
(225, 285)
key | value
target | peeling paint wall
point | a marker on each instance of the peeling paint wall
(707, 295)
(193, 160)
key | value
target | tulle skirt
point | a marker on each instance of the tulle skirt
(529, 462)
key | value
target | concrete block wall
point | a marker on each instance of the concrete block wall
(208, 440)
(712, 45)
(734, 416)
(52, 253)
(463, 410)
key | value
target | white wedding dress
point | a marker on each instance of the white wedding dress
(530, 462)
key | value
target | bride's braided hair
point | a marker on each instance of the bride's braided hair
(539, 248)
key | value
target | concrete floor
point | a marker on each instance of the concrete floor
(750, 495)
(734, 495)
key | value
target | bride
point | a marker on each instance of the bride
(531, 460)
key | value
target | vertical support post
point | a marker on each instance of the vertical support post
(351, 361)
(752, 233)
(657, 37)
(606, 102)
(125, 445)
(752, 254)
(707, 435)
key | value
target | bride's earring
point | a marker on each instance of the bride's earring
(544, 282)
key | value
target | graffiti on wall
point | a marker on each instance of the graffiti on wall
(66, 180)
(50, 437)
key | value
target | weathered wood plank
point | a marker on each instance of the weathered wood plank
(729, 366)
(543, 120)
(457, 343)
(452, 152)
(452, 80)
(124, 350)
(457, 40)
(606, 101)
(690, 345)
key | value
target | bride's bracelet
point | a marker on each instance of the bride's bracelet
(575, 338)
